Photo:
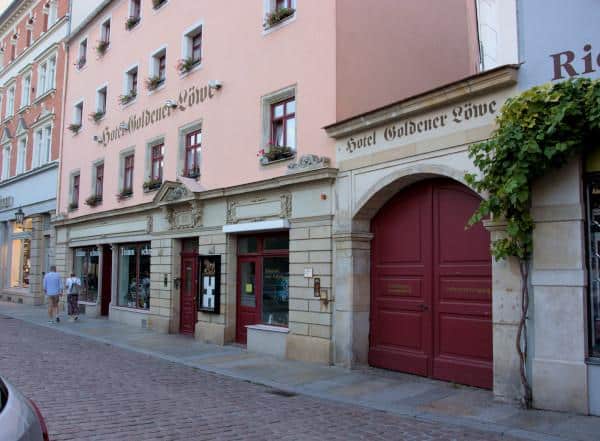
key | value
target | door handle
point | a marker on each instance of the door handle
(423, 307)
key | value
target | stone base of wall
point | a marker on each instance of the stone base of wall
(310, 349)
(269, 340)
(140, 320)
(25, 298)
(210, 333)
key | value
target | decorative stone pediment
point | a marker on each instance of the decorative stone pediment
(179, 205)
(308, 162)
(6, 136)
(21, 127)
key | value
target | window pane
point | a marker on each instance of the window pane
(144, 286)
(247, 284)
(247, 245)
(594, 264)
(290, 107)
(277, 243)
(278, 111)
(278, 133)
(291, 132)
(275, 295)
(127, 276)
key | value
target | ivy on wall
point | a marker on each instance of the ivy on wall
(537, 132)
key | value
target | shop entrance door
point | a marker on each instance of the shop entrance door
(431, 286)
(248, 295)
(106, 280)
(188, 313)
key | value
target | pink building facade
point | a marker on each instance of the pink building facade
(196, 189)
(32, 77)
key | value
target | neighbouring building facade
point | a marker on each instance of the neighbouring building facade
(418, 293)
(559, 42)
(196, 189)
(32, 78)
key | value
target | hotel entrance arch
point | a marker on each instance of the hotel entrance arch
(431, 287)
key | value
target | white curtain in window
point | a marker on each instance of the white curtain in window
(47, 144)
(51, 73)
(26, 91)
(6, 162)
(21, 154)
(37, 148)
(42, 78)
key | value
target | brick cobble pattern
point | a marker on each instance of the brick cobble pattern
(93, 391)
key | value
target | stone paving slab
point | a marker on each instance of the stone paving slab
(396, 393)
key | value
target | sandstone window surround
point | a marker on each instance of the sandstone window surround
(157, 69)
(191, 48)
(6, 161)
(74, 190)
(126, 172)
(10, 101)
(42, 144)
(268, 102)
(46, 75)
(98, 179)
(77, 120)
(21, 154)
(184, 132)
(130, 85)
(154, 163)
(101, 96)
(82, 53)
(271, 7)
(26, 90)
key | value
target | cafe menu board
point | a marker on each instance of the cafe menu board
(210, 284)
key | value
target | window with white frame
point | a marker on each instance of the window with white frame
(101, 94)
(10, 102)
(21, 155)
(6, 161)
(82, 53)
(78, 115)
(42, 143)
(105, 32)
(192, 46)
(135, 10)
(46, 75)
(279, 125)
(278, 11)
(130, 86)
(26, 91)
(52, 12)
(158, 67)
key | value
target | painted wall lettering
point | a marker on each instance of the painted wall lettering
(567, 64)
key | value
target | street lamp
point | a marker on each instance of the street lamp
(19, 216)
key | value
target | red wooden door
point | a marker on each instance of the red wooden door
(248, 295)
(431, 286)
(106, 280)
(189, 287)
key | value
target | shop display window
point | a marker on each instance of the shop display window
(86, 266)
(134, 276)
(20, 256)
(593, 245)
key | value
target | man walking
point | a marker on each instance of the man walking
(73, 285)
(53, 288)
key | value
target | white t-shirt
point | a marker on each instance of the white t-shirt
(73, 284)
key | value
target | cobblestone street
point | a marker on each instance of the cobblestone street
(89, 390)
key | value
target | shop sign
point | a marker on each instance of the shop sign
(568, 64)
(94, 253)
(146, 251)
(210, 284)
(451, 119)
(187, 98)
(6, 202)
(127, 252)
(80, 253)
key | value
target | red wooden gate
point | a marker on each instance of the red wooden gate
(431, 286)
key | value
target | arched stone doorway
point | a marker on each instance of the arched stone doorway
(431, 285)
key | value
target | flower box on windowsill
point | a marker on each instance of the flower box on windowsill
(94, 200)
(191, 174)
(97, 116)
(276, 154)
(152, 185)
(157, 4)
(125, 194)
(73, 206)
(126, 99)
(278, 16)
(131, 23)
(74, 128)
(185, 65)
(102, 47)
(154, 82)
(80, 63)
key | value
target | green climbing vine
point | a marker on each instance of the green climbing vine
(538, 131)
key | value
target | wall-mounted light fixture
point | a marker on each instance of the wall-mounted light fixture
(19, 216)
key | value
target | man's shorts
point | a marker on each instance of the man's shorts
(52, 300)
